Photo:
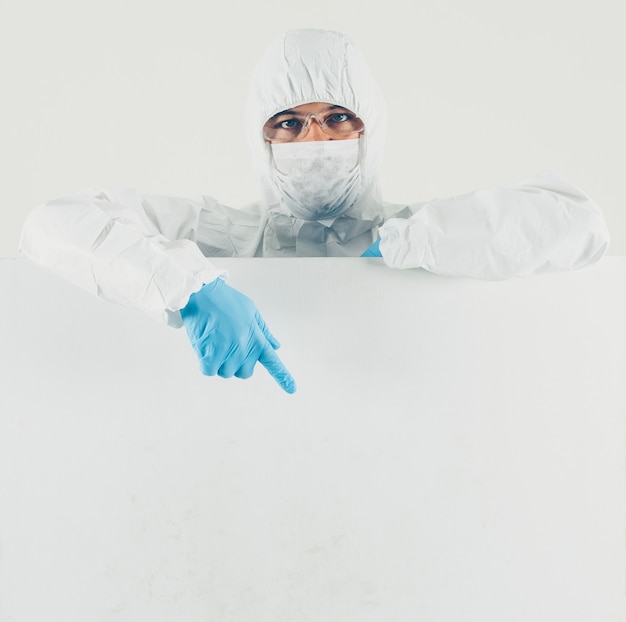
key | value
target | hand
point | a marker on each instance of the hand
(229, 335)
(373, 250)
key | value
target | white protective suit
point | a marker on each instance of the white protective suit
(151, 252)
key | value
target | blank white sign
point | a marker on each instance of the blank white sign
(455, 451)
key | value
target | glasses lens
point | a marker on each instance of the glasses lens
(287, 126)
(342, 123)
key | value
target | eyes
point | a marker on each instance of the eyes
(334, 120)
(289, 124)
(336, 123)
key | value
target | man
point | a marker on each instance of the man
(316, 123)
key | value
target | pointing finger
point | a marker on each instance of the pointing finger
(270, 360)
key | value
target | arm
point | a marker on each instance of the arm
(116, 244)
(544, 224)
(135, 250)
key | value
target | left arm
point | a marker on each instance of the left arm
(543, 224)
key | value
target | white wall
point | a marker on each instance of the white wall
(151, 95)
(455, 451)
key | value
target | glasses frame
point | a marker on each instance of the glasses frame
(320, 121)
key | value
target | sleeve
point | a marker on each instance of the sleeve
(543, 224)
(130, 249)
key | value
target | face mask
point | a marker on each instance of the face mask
(317, 179)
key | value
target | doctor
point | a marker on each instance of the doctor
(316, 124)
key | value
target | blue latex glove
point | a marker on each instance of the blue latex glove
(373, 250)
(229, 335)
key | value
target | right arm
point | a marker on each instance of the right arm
(144, 252)
(135, 250)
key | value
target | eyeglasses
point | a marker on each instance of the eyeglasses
(289, 126)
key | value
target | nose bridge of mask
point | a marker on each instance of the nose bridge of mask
(344, 151)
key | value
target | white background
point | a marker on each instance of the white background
(454, 452)
(150, 94)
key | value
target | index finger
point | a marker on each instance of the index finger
(271, 361)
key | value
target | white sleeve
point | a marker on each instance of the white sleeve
(543, 224)
(133, 250)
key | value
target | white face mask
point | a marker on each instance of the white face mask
(317, 179)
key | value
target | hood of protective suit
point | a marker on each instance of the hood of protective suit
(305, 66)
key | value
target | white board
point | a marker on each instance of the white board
(455, 451)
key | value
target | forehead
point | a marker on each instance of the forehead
(312, 108)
